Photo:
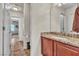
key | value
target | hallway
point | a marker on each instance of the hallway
(14, 30)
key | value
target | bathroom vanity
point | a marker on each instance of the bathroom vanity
(62, 44)
(56, 44)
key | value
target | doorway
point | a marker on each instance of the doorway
(14, 30)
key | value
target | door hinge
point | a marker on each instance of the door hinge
(3, 28)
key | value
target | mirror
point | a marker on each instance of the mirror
(61, 22)
(67, 17)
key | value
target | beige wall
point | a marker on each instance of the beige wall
(55, 19)
(40, 22)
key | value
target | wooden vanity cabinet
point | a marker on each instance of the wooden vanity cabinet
(54, 48)
(47, 47)
(66, 50)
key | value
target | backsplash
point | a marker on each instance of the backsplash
(74, 35)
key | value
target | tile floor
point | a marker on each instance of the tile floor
(17, 48)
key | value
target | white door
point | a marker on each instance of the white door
(1, 29)
(6, 32)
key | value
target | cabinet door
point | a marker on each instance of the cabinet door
(66, 50)
(47, 47)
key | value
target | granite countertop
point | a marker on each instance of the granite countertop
(64, 39)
